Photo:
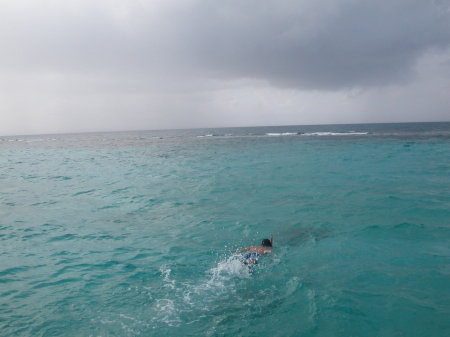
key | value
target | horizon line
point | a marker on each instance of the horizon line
(213, 127)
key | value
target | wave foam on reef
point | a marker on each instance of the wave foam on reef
(281, 134)
(215, 135)
(27, 140)
(350, 133)
(208, 135)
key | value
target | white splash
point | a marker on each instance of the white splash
(227, 269)
(168, 282)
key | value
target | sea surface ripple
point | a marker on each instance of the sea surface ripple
(133, 234)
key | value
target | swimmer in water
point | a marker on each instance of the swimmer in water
(250, 255)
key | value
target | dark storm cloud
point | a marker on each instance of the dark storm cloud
(299, 44)
(328, 44)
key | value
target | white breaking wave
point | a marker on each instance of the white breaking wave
(335, 133)
(281, 134)
(35, 140)
(28, 140)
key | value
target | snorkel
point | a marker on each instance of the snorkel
(266, 243)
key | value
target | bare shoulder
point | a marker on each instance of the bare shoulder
(253, 249)
(259, 249)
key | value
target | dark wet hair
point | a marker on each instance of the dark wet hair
(266, 243)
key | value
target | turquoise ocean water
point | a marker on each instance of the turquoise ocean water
(132, 234)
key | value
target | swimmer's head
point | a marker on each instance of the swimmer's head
(266, 243)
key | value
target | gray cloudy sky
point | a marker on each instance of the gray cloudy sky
(99, 65)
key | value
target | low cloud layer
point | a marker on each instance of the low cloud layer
(104, 65)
